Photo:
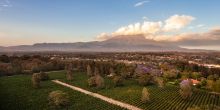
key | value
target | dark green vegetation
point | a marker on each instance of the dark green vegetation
(166, 98)
(17, 93)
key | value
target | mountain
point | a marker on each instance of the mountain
(116, 44)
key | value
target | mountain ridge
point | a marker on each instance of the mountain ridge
(135, 43)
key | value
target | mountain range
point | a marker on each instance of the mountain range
(135, 43)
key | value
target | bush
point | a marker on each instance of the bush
(118, 81)
(144, 79)
(44, 76)
(58, 99)
(36, 78)
(145, 95)
(91, 81)
(99, 81)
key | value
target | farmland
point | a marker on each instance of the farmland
(168, 83)
(17, 93)
(167, 98)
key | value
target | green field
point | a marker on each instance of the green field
(17, 93)
(161, 99)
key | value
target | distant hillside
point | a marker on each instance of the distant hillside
(115, 44)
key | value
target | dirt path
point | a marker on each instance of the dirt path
(109, 100)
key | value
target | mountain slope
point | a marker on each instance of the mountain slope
(119, 43)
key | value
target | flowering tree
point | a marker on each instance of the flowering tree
(186, 89)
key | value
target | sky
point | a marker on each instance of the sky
(189, 23)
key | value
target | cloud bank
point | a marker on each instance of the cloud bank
(163, 31)
(177, 22)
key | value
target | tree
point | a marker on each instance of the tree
(111, 71)
(91, 81)
(4, 59)
(96, 81)
(186, 89)
(145, 95)
(96, 71)
(44, 76)
(203, 82)
(196, 75)
(58, 99)
(160, 82)
(216, 86)
(99, 81)
(171, 74)
(209, 84)
(69, 73)
(144, 79)
(16, 66)
(194, 108)
(89, 71)
(36, 78)
(118, 81)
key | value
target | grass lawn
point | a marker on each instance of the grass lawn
(17, 93)
(161, 99)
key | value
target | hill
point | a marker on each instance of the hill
(136, 43)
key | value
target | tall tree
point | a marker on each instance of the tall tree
(186, 89)
(89, 71)
(145, 95)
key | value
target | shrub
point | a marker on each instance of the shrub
(36, 78)
(186, 89)
(99, 81)
(91, 81)
(118, 81)
(144, 79)
(44, 76)
(145, 95)
(58, 99)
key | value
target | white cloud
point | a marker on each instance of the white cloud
(145, 18)
(211, 37)
(5, 4)
(177, 22)
(200, 25)
(140, 3)
(103, 36)
(139, 28)
(156, 31)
